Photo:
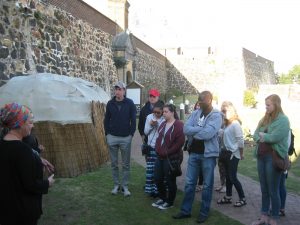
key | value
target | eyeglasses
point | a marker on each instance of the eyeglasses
(152, 96)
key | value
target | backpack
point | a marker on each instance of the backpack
(291, 150)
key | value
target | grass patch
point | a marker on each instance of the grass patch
(248, 168)
(86, 200)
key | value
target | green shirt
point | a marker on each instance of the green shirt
(277, 134)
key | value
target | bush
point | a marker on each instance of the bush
(249, 99)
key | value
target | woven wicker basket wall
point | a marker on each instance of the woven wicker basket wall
(74, 148)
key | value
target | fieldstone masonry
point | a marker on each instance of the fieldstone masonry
(57, 36)
(42, 38)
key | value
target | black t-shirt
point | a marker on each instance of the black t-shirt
(198, 146)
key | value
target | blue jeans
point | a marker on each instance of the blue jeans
(196, 163)
(123, 144)
(282, 190)
(269, 183)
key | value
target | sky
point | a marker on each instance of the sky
(270, 28)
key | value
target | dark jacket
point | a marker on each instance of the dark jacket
(22, 183)
(173, 141)
(145, 111)
(120, 122)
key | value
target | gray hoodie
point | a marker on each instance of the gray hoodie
(206, 130)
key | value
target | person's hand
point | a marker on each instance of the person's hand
(42, 148)
(242, 157)
(48, 165)
(153, 123)
(51, 180)
(261, 136)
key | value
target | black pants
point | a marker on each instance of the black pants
(231, 166)
(165, 181)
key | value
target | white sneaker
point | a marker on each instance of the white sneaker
(158, 203)
(115, 190)
(165, 206)
(126, 192)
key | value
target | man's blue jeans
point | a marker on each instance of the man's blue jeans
(269, 183)
(196, 163)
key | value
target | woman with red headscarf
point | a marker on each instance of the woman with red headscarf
(22, 183)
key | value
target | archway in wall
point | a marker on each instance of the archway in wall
(128, 77)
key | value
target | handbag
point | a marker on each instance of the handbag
(175, 168)
(280, 164)
(145, 148)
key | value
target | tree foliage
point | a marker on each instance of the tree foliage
(293, 76)
(249, 99)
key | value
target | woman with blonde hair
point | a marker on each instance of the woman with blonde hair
(233, 144)
(270, 135)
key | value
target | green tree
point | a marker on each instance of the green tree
(249, 98)
(292, 76)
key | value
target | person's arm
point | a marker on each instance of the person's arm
(210, 128)
(132, 118)
(239, 137)
(280, 129)
(189, 128)
(148, 126)
(107, 119)
(27, 170)
(141, 124)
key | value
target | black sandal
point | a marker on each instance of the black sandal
(224, 200)
(281, 212)
(240, 203)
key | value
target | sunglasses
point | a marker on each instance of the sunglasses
(157, 112)
(152, 96)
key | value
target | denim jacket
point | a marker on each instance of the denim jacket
(206, 130)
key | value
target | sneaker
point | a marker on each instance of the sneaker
(115, 190)
(125, 191)
(165, 206)
(158, 203)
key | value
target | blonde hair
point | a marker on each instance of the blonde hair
(229, 106)
(269, 117)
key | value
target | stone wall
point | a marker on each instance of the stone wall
(69, 37)
(150, 71)
(258, 70)
(43, 38)
(222, 76)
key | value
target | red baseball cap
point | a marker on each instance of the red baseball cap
(154, 92)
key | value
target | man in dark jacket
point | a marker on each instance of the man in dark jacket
(146, 110)
(119, 126)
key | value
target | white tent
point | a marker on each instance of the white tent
(55, 98)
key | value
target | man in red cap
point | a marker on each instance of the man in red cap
(146, 110)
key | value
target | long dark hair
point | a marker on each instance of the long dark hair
(172, 108)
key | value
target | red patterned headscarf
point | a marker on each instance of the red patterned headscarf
(14, 115)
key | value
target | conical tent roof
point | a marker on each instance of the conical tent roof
(55, 98)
